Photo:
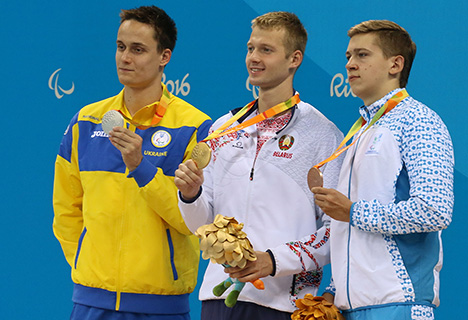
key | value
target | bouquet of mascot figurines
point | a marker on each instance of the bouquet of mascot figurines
(224, 242)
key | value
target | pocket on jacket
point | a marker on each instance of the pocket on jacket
(80, 241)
(171, 251)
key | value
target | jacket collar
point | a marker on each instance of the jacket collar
(367, 112)
(254, 109)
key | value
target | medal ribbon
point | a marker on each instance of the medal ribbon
(273, 111)
(389, 105)
(158, 114)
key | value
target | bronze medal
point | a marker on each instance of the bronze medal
(201, 155)
(314, 178)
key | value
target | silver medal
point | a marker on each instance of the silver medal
(112, 119)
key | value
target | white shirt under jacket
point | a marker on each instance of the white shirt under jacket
(276, 205)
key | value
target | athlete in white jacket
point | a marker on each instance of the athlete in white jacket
(258, 175)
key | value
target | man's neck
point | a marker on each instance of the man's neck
(136, 98)
(272, 97)
(384, 90)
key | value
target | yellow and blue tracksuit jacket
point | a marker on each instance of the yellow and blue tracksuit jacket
(122, 232)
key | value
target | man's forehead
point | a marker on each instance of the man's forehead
(266, 35)
(135, 31)
(367, 41)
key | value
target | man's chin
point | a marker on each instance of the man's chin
(255, 82)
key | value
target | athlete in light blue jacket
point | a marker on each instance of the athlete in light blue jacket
(395, 191)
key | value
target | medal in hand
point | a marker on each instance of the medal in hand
(112, 119)
(201, 155)
(314, 178)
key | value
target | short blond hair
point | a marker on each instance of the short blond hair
(392, 39)
(296, 35)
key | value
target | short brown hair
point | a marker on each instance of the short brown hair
(392, 39)
(165, 31)
(296, 34)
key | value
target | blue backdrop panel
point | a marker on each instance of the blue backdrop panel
(58, 56)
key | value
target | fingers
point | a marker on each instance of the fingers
(246, 274)
(189, 173)
(320, 190)
(329, 297)
(191, 167)
(125, 139)
(260, 268)
(129, 144)
(324, 194)
(188, 179)
(333, 203)
(320, 195)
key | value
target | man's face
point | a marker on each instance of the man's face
(139, 64)
(368, 69)
(266, 59)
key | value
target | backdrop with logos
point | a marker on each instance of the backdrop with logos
(62, 58)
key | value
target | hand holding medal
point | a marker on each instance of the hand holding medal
(331, 201)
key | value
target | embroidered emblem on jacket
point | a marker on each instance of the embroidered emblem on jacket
(374, 145)
(286, 142)
(161, 138)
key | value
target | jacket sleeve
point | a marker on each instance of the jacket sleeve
(427, 156)
(159, 189)
(306, 254)
(68, 195)
(313, 251)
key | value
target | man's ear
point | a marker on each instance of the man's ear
(166, 57)
(296, 59)
(398, 62)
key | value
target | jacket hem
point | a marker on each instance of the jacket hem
(410, 303)
(131, 302)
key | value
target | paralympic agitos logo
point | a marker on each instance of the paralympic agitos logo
(54, 85)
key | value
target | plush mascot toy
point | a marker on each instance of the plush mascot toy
(224, 242)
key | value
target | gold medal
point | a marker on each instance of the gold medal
(314, 178)
(201, 155)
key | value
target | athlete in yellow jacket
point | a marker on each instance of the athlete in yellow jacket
(115, 203)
